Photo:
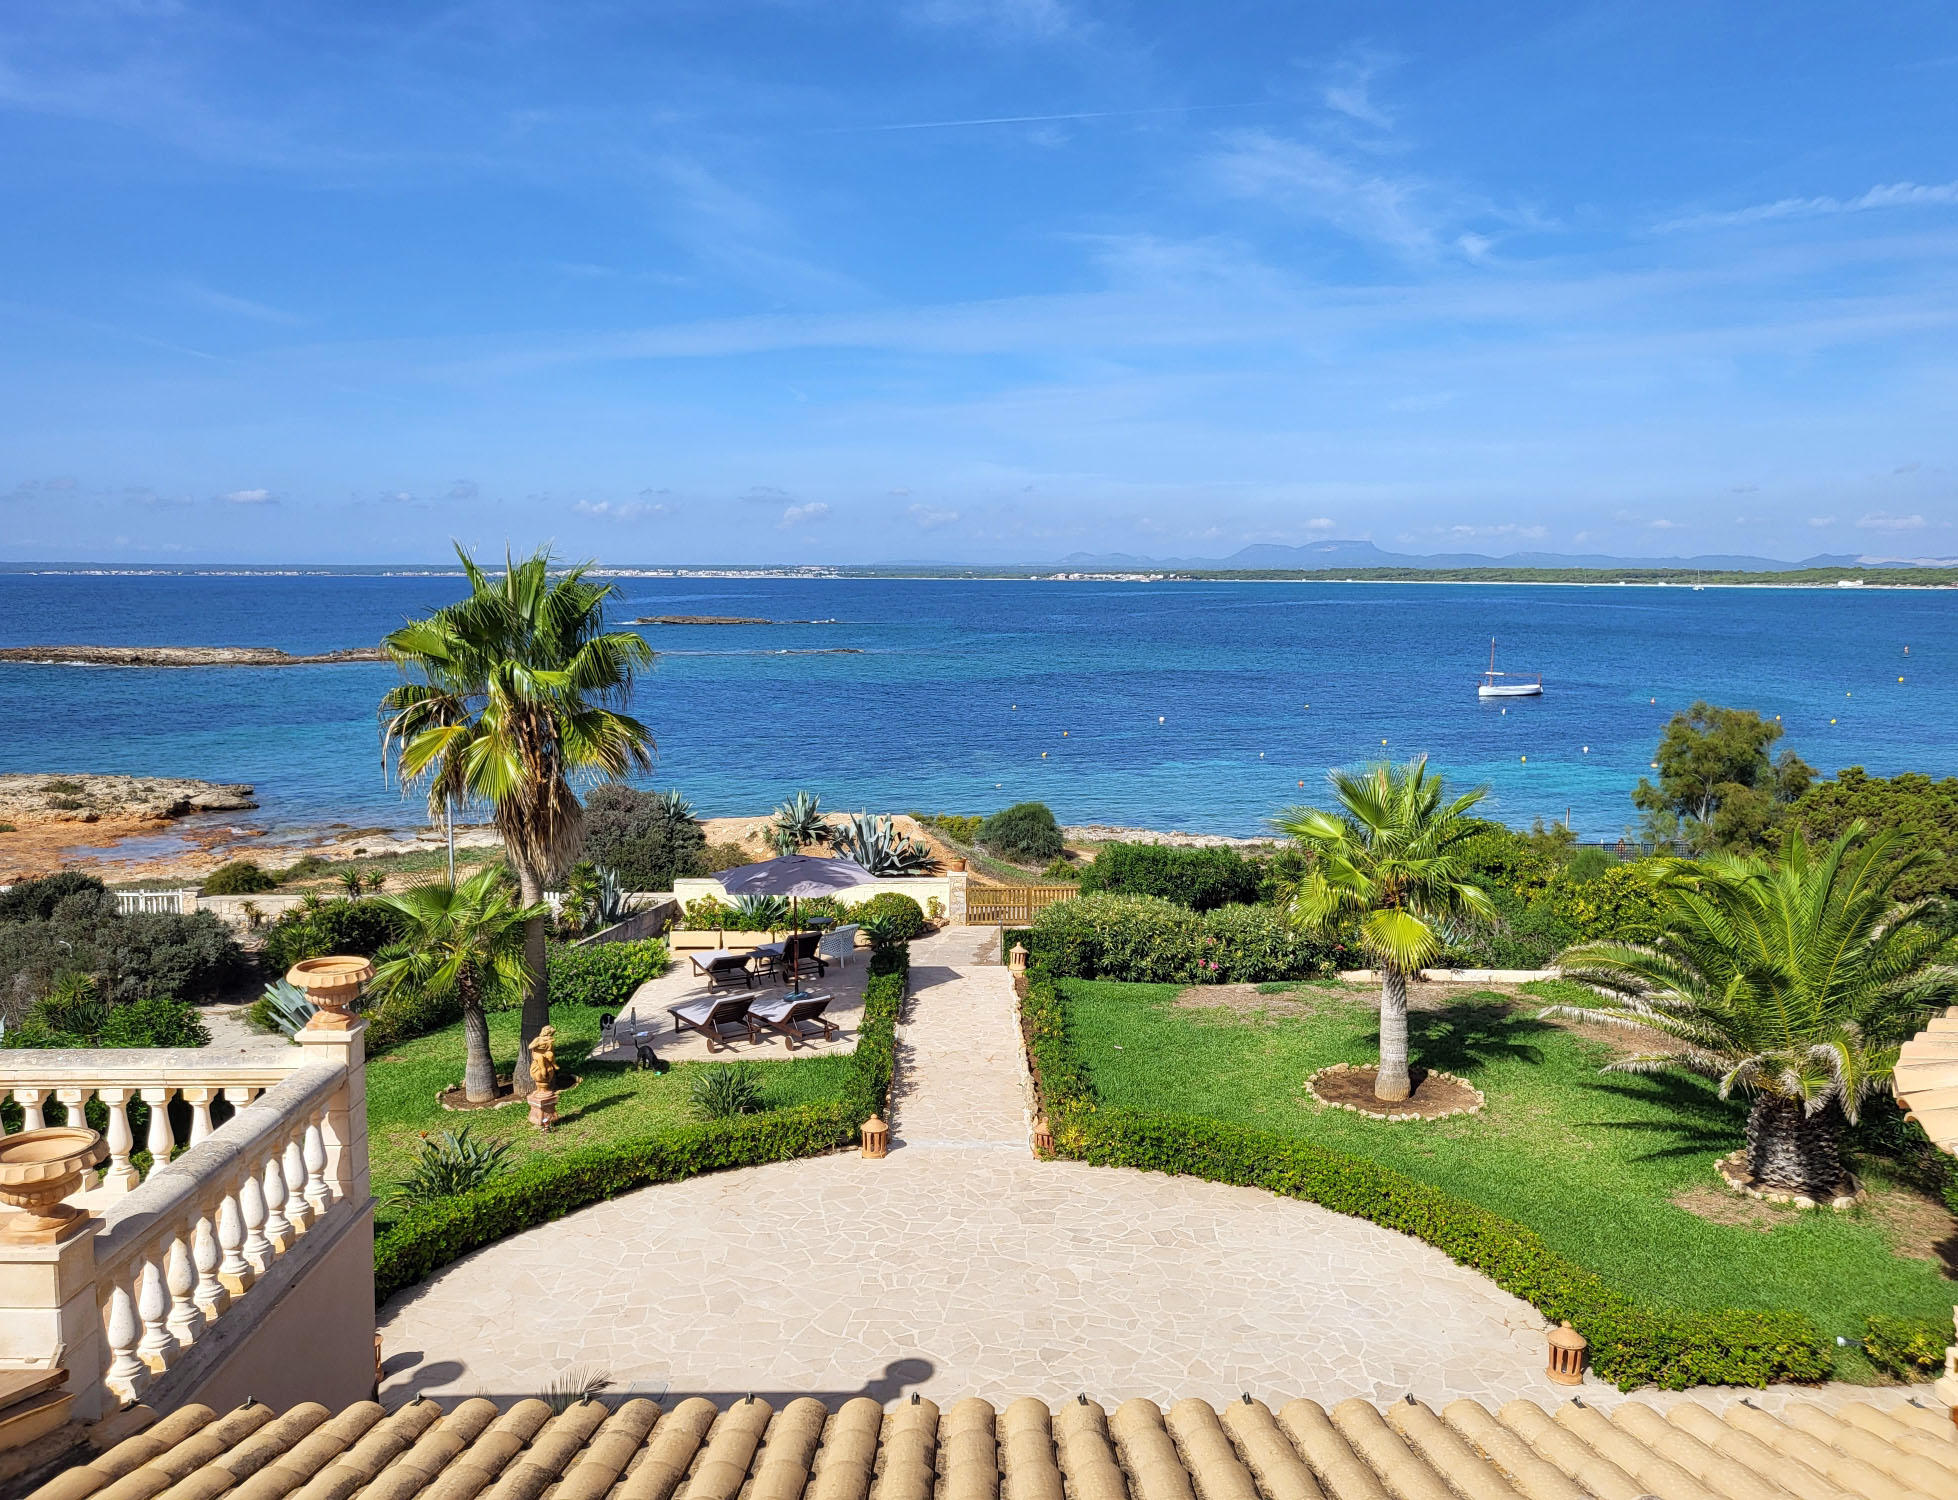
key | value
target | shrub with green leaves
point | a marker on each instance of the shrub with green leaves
(724, 1091)
(1148, 940)
(448, 1165)
(760, 913)
(1025, 832)
(705, 913)
(1197, 878)
(604, 975)
(325, 927)
(902, 917)
(241, 877)
(1909, 1348)
(650, 838)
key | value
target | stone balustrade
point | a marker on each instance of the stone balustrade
(174, 1268)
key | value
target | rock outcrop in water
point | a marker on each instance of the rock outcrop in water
(180, 656)
(32, 798)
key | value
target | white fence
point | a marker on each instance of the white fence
(156, 903)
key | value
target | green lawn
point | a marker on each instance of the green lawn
(613, 1102)
(1591, 1162)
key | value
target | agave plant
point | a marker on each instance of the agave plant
(449, 1164)
(726, 1090)
(761, 913)
(876, 844)
(798, 823)
(672, 806)
(287, 1007)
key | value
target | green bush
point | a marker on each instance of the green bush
(241, 877)
(139, 1023)
(649, 838)
(337, 926)
(907, 918)
(68, 924)
(705, 913)
(725, 1091)
(410, 1014)
(725, 856)
(960, 828)
(549, 1187)
(1149, 940)
(1025, 832)
(1197, 878)
(35, 900)
(1631, 1344)
(604, 975)
(1909, 1348)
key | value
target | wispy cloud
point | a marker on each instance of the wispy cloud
(250, 497)
(240, 307)
(617, 510)
(463, 489)
(930, 519)
(1881, 522)
(1395, 211)
(1350, 91)
(804, 515)
(1082, 114)
(1888, 195)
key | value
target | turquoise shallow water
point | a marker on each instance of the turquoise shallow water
(1172, 705)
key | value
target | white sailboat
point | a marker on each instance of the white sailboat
(1496, 684)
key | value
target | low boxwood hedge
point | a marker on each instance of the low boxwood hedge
(426, 1239)
(1631, 1344)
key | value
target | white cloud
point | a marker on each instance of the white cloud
(242, 307)
(1880, 522)
(804, 515)
(1888, 195)
(1321, 523)
(1660, 523)
(1367, 204)
(1349, 93)
(463, 489)
(398, 497)
(616, 510)
(1499, 529)
(1821, 520)
(931, 519)
(250, 497)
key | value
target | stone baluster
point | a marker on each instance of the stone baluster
(127, 1375)
(251, 1206)
(299, 1213)
(30, 1101)
(73, 1100)
(278, 1228)
(211, 1296)
(240, 1094)
(162, 1140)
(318, 1195)
(156, 1346)
(199, 1101)
(235, 1273)
(186, 1318)
(121, 1177)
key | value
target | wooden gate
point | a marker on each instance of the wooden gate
(1011, 905)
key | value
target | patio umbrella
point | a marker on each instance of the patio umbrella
(795, 876)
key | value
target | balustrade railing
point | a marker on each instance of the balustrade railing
(168, 903)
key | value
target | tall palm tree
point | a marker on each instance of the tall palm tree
(465, 941)
(510, 697)
(1793, 980)
(1388, 862)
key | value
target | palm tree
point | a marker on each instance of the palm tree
(465, 941)
(1389, 861)
(509, 700)
(1792, 980)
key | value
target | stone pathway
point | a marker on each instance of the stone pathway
(961, 1265)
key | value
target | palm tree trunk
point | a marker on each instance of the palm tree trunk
(1391, 1083)
(1792, 1151)
(478, 1067)
(537, 994)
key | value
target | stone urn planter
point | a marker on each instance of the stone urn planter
(40, 1168)
(333, 984)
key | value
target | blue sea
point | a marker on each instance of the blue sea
(1198, 706)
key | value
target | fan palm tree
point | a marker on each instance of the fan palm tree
(1388, 862)
(465, 941)
(1793, 980)
(512, 694)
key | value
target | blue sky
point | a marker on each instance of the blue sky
(975, 279)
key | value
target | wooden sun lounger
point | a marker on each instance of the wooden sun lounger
(714, 1017)
(793, 1020)
(724, 968)
(787, 959)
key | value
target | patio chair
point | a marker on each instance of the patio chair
(787, 959)
(793, 1020)
(716, 1017)
(725, 968)
(839, 944)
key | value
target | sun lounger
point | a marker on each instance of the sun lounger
(725, 968)
(793, 1020)
(716, 1017)
(787, 959)
(839, 944)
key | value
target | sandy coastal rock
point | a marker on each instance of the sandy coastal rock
(180, 656)
(80, 797)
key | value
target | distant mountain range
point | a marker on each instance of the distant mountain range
(1317, 555)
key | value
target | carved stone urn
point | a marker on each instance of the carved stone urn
(333, 984)
(40, 1168)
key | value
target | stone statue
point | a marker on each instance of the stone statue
(543, 1061)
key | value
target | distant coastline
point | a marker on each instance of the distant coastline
(180, 656)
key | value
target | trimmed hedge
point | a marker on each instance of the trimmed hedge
(1631, 1344)
(547, 1188)
(1148, 940)
(1909, 1348)
(604, 975)
(1200, 878)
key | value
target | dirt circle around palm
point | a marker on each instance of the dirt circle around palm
(452, 1098)
(1436, 1095)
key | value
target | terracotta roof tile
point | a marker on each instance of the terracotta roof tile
(594, 1450)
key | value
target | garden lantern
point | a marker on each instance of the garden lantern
(1043, 1136)
(876, 1138)
(1567, 1347)
(1017, 959)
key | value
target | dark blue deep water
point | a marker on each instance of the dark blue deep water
(1170, 706)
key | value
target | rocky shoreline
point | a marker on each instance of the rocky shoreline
(180, 656)
(1103, 833)
(31, 798)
